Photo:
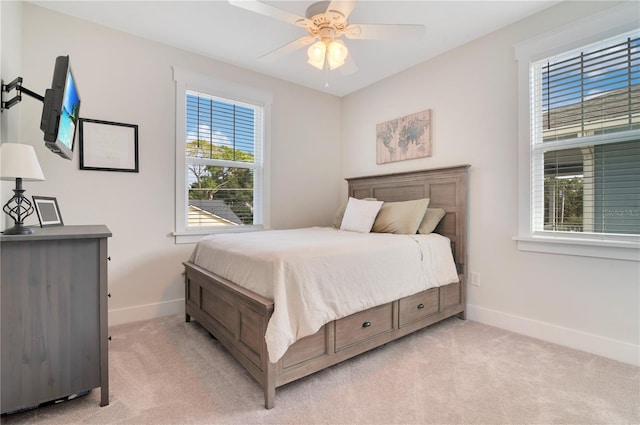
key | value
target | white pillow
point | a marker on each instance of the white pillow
(337, 220)
(360, 215)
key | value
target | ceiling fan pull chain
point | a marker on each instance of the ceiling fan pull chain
(326, 77)
(326, 69)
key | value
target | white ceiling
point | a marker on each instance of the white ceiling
(231, 34)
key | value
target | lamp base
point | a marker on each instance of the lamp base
(18, 208)
(18, 229)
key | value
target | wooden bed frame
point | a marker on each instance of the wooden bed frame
(238, 317)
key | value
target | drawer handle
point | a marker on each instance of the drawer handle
(366, 324)
(420, 306)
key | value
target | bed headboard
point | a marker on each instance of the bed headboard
(446, 187)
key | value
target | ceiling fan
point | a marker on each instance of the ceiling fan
(326, 22)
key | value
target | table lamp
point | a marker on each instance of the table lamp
(19, 162)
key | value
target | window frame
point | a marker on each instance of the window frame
(190, 81)
(609, 23)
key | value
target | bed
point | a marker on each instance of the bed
(239, 317)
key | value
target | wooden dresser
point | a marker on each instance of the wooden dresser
(54, 315)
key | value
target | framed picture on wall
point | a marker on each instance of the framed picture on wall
(404, 138)
(48, 211)
(108, 146)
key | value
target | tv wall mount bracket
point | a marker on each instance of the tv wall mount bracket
(17, 85)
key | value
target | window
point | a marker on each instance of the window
(583, 174)
(586, 140)
(219, 158)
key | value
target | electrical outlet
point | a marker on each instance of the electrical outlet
(475, 279)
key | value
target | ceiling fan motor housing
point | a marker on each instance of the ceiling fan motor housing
(323, 23)
(318, 8)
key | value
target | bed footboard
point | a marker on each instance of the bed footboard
(236, 317)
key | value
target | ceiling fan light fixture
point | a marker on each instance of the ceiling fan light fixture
(337, 54)
(324, 21)
(331, 54)
(316, 53)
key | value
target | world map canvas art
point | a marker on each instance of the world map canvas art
(403, 138)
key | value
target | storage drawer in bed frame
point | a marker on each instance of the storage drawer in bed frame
(362, 331)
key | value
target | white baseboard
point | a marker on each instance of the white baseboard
(595, 344)
(145, 312)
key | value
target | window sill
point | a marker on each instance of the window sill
(629, 251)
(195, 236)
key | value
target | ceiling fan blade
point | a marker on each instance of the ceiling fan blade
(286, 49)
(349, 66)
(344, 7)
(384, 31)
(267, 10)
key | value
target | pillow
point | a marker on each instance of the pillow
(337, 220)
(431, 219)
(401, 217)
(359, 215)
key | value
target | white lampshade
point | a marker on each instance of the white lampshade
(327, 53)
(337, 54)
(315, 53)
(19, 161)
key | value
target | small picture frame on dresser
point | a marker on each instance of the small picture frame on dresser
(48, 211)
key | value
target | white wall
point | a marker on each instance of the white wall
(11, 41)
(587, 303)
(127, 79)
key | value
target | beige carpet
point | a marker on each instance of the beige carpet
(166, 371)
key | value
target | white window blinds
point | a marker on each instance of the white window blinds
(585, 155)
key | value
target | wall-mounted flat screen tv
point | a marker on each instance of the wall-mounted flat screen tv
(61, 110)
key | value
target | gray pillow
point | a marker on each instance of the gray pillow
(431, 220)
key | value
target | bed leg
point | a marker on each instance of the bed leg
(187, 318)
(269, 385)
(462, 315)
(269, 397)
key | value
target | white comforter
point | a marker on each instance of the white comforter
(316, 275)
